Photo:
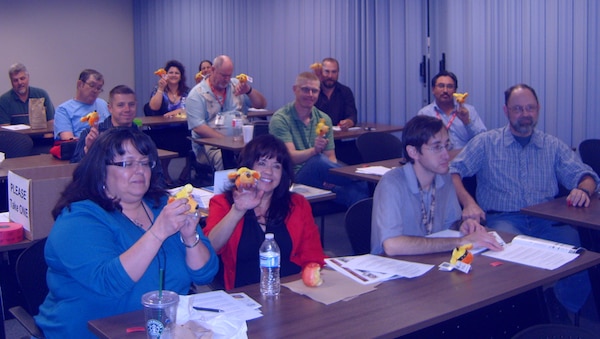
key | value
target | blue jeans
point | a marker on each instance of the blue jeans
(315, 172)
(572, 291)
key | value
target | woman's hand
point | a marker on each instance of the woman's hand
(247, 197)
(162, 83)
(173, 218)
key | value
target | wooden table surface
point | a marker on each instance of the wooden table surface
(350, 171)
(35, 132)
(160, 120)
(558, 210)
(395, 308)
(366, 128)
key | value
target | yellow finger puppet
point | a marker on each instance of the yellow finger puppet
(322, 127)
(461, 97)
(244, 175)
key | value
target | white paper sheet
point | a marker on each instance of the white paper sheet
(375, 263)
(376, 170)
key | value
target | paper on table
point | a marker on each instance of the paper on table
(216, 299)
(377, 170)
(375, 263)
(335, 287)
(252, 109)
(202, 196)
(339, 129)
(308, 191)
(365, 277)
(17, 127)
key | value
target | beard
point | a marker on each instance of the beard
(329, 83)
(524, 126)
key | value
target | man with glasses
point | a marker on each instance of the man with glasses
(418, 199)
(68, 124)
(212, 104)
(313, 154)
(14, 104)
(518, 166)
(122, 106)
(461, 120)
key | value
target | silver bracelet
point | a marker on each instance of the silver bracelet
(192, 245)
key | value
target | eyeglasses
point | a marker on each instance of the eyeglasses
(131, 163)
(439, 147)
(449, 87)
(308, 90)
(521, 109)
(94, 86)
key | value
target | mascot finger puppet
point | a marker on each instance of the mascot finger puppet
(185, 192)
(317, 67)
(244, 176)
(322, 127)
(460, 97)
(92, 118)
(160, 72)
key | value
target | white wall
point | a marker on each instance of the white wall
(56, 40)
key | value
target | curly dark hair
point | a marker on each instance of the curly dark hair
(182, 88)
(89, 176)
(268, 146)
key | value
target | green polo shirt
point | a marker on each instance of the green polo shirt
(286, 126)
(14, 111)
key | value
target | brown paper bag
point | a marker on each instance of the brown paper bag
(37, 113)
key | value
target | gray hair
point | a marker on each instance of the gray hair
(17, 68)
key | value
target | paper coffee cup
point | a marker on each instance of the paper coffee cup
(248, 132)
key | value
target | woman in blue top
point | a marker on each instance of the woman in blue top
(115, 237)
(168, 97)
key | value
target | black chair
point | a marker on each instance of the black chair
(322, 209)
(261, 127)
(377, 146)
(31, 270)
(557, 331)
(589, 150)
(15, 144)
(358, 226)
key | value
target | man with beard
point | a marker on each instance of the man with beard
(211, 105)
(445, 107)
(336, 99)
(518, 166)
(14, 104)
(418, 199)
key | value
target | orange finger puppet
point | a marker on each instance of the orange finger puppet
(92, 118)
(160, 72)
(185, 192)
(199, 76)
(317, 67)
(462, 254)
(244, 175)
(461, 97)
(322, 127)
(242, 77)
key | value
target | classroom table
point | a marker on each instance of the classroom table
(397, 307)
(38, 132)
(365, 127)
(259, 114)
(161, 121)
(350, 171)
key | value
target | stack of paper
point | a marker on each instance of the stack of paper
(17, 127)
(376, 170)
(308, 191)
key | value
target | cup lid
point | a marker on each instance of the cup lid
(152, 299)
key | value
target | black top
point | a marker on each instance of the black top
(247, 270)
(340, 106)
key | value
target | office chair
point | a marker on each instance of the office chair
(261, 127)
(358, 225)
(377, 146)
(31, 270)
(15, 144)
(589, 150)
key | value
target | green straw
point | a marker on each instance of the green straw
(161, 278)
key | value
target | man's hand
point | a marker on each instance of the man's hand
(469, 226)
(481, 238)
(241, 88)
(90, 138)
(473, 212)
(320, 144)
(578, 198)
(463, 114)
(345, 124)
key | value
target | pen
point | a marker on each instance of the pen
(207, 309)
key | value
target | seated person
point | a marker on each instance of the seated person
(238, 219)
(518, 166)
(446, 108)
(211, 105)
(168, 97)
(122, 106)
(14, 104)
(204, 70)
(68, 124)
(419, 199)
(116, 238)
(335, 99)
(313, 155)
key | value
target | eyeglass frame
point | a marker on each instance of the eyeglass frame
(100, 90)
(437, 149)
(518, 109)
(450, 87)
(309, 90)
(129, 164)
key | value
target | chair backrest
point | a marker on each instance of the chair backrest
(261, 127)
(15, 144)
(358, 225)
(376, 146)
(589, 150)
(31, 270)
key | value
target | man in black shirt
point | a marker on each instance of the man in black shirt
(336, 99)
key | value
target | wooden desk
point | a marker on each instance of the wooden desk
(366, 128)
(252, 114)
(159, 120)
(41, 132)
(395, 308)
(558, 210)
(350, 171)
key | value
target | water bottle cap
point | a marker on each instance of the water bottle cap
(269, 236)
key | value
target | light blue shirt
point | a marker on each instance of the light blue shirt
(510, 176)
(460, 134)
(67, 117)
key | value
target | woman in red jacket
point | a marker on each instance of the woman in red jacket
(238, 219)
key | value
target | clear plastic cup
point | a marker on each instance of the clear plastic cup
(160, 313)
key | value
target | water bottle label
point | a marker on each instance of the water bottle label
(269, 261)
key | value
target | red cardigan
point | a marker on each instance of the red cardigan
(306, 242)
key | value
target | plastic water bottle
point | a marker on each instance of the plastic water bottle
(269, 267)
(237, 122)
(183, 112)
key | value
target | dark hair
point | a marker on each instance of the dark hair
(418, 131)
(87, 73)
(445, 73)
(89, 177)
(182, 88)
(119, 89)
(330, 59)
(268, 146)
(203, 61)
(511, 89)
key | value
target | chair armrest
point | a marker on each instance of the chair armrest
(27, 321)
